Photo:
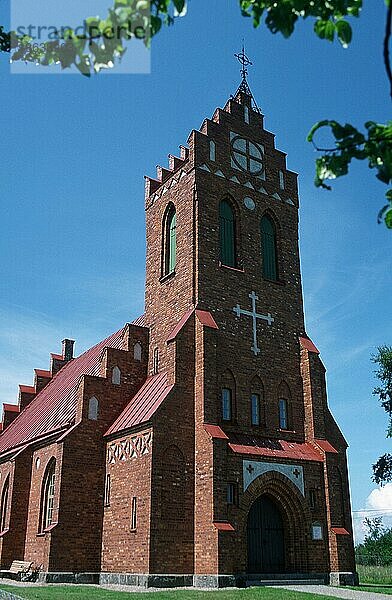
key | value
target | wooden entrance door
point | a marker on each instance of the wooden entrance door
(265, 537)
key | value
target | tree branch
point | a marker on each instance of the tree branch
(387, 38)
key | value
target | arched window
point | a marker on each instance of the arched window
(116, 376)
(137, 351)
(227, 398)
(169, 234)
(93, 409)
(268, 246)
(4, 504)
(283, 414)
(227, 234)
(47, 496)
(256, 398)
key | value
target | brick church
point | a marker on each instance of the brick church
(194, 445)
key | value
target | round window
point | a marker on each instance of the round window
(246, 155)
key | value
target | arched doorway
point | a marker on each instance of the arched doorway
(266, 546)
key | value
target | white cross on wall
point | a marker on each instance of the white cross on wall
(238, 311)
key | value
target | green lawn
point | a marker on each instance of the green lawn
(57, 592)
(370, 574)
(375, 589)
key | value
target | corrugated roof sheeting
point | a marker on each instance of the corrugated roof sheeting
(144, 404)
(244, 444)
(54, 408)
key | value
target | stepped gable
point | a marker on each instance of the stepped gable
(54, 407)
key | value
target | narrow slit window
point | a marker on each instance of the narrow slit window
(246, 114)
(283, 417)
(232, 493)
(312, 498)
(255, 409)
(107, 490)
(212, 151)
(155, 366)
(281, 180)
(226, 404)
(134, 513)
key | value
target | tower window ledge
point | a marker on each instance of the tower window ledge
(275, 281)
(235, 269)
(287, 430)
(167, 277)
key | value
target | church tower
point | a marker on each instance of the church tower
(224, 309)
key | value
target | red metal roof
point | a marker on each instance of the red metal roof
(206, 319)
(308, 344)
(340, 531)
(223, 526)
(246, 444)
(173, 334)
(326, 446)
(54, 408)
(144, 404)
(215, 431)
(140, 321)
(203, 316)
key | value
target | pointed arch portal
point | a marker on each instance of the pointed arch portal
(266, 544)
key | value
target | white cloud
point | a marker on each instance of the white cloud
(378, 504)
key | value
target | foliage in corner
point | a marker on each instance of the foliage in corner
(382, 470)
(375, 146)
(330, 17)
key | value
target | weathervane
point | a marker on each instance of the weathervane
(245, 61)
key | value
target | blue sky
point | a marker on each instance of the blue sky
(74, 155)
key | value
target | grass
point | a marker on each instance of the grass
(372, 574)
(375, 589)
(58, 592)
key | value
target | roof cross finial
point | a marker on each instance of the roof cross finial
(245, 62)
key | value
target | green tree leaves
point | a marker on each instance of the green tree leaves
(282, 16)
(375, 146)
(382, 470)
(377, 546)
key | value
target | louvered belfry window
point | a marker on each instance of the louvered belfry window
(268, 243)
(227, 234)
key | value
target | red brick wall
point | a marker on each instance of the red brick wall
(123, 550)
(38, 545)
